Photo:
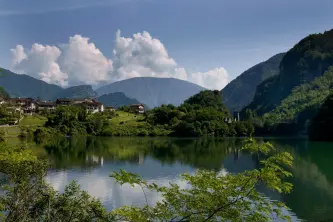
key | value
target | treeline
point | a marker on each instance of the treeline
(74, 120)
(203, 114)
(28, 197)
(296, 112)
(200, 115)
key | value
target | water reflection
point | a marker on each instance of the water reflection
(90, 160)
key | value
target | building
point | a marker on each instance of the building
(64, 101)
(46, 106)
(25, 105)
(110, 108)
(2, 101)
(93, 106)
(137, 108)
(236, 116)
(227, 120)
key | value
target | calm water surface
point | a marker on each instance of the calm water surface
(90, 161)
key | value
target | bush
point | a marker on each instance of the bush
(143, 132)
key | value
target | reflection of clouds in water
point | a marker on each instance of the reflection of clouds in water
(107, 190)
(98, 183)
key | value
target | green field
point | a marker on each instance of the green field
(31, 122)
(128, 118)
(11, 131)
(129, 124)
(34, 120)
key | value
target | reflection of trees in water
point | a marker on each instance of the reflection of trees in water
(200, 153)
(91, 151)
(312, 195)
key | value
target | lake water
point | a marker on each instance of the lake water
(90, 160)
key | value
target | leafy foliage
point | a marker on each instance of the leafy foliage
(26, 197)
(71, 120)
(8, 117)
(210, 196)
(201, 114)
(215, 197)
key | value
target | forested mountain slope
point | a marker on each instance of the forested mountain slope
(240, 92)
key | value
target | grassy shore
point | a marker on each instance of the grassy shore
(31, 122)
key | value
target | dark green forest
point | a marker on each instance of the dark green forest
(308, 59)
(321, 126)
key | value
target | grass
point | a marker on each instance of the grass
(34, 120)
(11, 131)
(127, 124)
(127, 118)
(31, 122)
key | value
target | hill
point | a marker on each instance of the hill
(3, 93)
(25, 86)
(74, 92)
(308, 59)
(154, 91)
(240, 92)
(303, 102)
(116, 100)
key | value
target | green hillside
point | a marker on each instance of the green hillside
(304, 100)
(240, 92)
(308, 59)
(116, 100)
(25, 86)
(76, 92)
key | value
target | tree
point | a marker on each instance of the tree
(215, 197)
(28, 198)
(210, 195)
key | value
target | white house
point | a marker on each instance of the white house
(137, 108)
(93, 106)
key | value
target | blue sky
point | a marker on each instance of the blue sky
(199, 35)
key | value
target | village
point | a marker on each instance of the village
(30, 106)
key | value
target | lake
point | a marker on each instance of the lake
(90, 160)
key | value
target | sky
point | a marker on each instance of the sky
(207, 42)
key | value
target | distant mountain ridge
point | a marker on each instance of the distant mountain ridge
(147, 90)
(116, 100)
(154, 91)
(26, 86)
(240, 91)
(76, 92)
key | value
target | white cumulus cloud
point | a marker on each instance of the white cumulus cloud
(80, 62)
(213, 79)
(39, 62)
(83, 62)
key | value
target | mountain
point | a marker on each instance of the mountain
(25, 86)
(240, 92)
(154, 91)
(304, 102)
(116, 99)
(321, 126)
(3, 93)
(75, 92)
(308, 59)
